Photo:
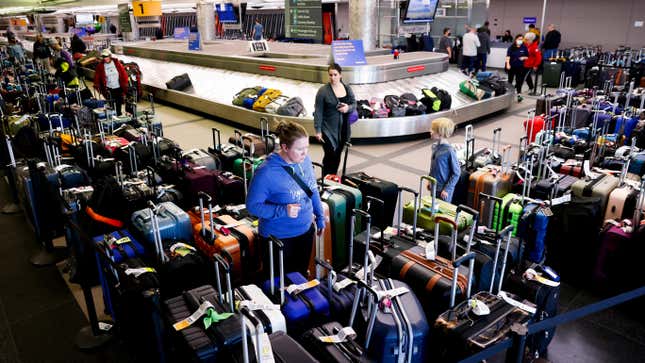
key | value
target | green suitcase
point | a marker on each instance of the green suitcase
(511, 212)
(341, 199)
(426, 215)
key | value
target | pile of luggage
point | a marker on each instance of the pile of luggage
(484, 85)
(432, 100)
(269, 100)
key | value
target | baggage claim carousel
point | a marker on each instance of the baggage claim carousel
(224, 67)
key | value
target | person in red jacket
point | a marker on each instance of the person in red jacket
(111, 79)
(533, 62)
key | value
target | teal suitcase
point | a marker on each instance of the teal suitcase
(341, 199)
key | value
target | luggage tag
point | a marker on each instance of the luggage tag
(139, 271)
(182, 249)
(255, 306)
(531, 274)
(529, 309)
(295, 289)
(561, 200)
(431, 254)
(206, 308)
(345, 334)
(392, 292)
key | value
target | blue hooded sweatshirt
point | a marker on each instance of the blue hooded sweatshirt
(272, 188)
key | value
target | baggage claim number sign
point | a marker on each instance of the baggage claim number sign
(146, 8)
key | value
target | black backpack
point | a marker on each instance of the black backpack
(444, 96)
(364, 109)
(412, 105)
(397, 108)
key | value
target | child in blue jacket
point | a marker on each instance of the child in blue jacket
(445, 165)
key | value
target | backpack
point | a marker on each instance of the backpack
(444, 96)
(397, 108)
(275, 104)
(265, 99)
(293, 107)
(364, 109)
(134, 78)
(431, 100)
(412, 106)
(251, 92)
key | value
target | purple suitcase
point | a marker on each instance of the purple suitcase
(198, 178)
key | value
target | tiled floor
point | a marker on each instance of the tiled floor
(40, 316)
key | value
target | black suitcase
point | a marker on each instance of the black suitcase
(377, 188)
(545, 189)
(191, 343)
(227, 153)
(546, 299)
(348, 351)
(179, 83)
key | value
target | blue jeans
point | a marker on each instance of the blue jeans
(481, 61)
(550, 53)
(468, 62)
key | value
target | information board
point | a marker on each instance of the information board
(181, 33)
(124, 18)
(226, 13)
(303, 19)
(348, 52)
(193, 41)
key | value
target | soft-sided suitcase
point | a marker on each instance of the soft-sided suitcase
(545, 189)
(601, 187)
(301, 307)
(544, 294)
(179, 83)
(430, 207)
(532, 230)
(572, 167)
(377, 188)
(459, 332)
(197, 179)
(202, 158)
(637, 164)
(551, 74)
(174, 223)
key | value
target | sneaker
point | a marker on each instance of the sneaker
(520, 98)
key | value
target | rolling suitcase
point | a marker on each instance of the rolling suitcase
(430, 207)
(572, 167)
(174, 223)
(493, 181)
(318, 341)
(508, 213)
(202, 158)
(243, 255)
(622, 200)
(601, 187)
(196, 179)
(486, 156)
(197, 345)
(460, 194)
(302, 301)
(227, 153)
(230, 188)
(324, 245)
(460, 332)
(378, 188)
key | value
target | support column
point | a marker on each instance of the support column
(363, 20)
(206, 21)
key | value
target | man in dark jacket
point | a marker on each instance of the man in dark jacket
(551, 42)
(483, 50)
(41, 53)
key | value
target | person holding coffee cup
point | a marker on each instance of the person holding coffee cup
(284, 196)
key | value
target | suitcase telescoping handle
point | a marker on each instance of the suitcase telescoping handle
(217, 139)
(505, 234)
(469, 144)
(274, 241)
(433, 190)
(247, 161)
(453, 234)
(348, 145)
(497, 139)
(322, 177)
(245, 313)
(400, 211)
(226, 266)
(156, 231)
(473, 228)
(203, 196)
(367, 288)
(251, 145)
(470, 257)
(496, 203)
(368, 234)
(330, 276)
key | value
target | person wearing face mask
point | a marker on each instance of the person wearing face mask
(445, 43)
(334, 102)
(284, 196)
(516, 54)
(111, 79)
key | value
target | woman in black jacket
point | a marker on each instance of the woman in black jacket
(334, 102)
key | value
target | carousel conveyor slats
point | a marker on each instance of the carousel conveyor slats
(213, 91)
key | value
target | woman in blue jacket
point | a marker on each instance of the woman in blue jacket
(445, 165)
(284, 196)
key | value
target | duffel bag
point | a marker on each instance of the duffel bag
(293, 107)
(267, 97)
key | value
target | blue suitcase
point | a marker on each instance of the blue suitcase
(340, 301)
(532, 230)
(298, 309)
(637, 164)
(72, 176)
(625, 126)
(174, 223)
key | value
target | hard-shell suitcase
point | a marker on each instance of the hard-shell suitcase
(601, 187)
(377, 188)
(341, 199)
(324, 245)
(300, 306)
(212, 238)
(511, 210)
(263, 144)
(572, 167)
(174, 223)
(551, 74)
(492, 181)
(243, 255)
(460, 194)
(202, 158)
(637, 164)
(546, 189)
(347, 351)
(198, 179)
(486, 156)
(622, 200)
(272, 320)
(197, 345)
(460, 333)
